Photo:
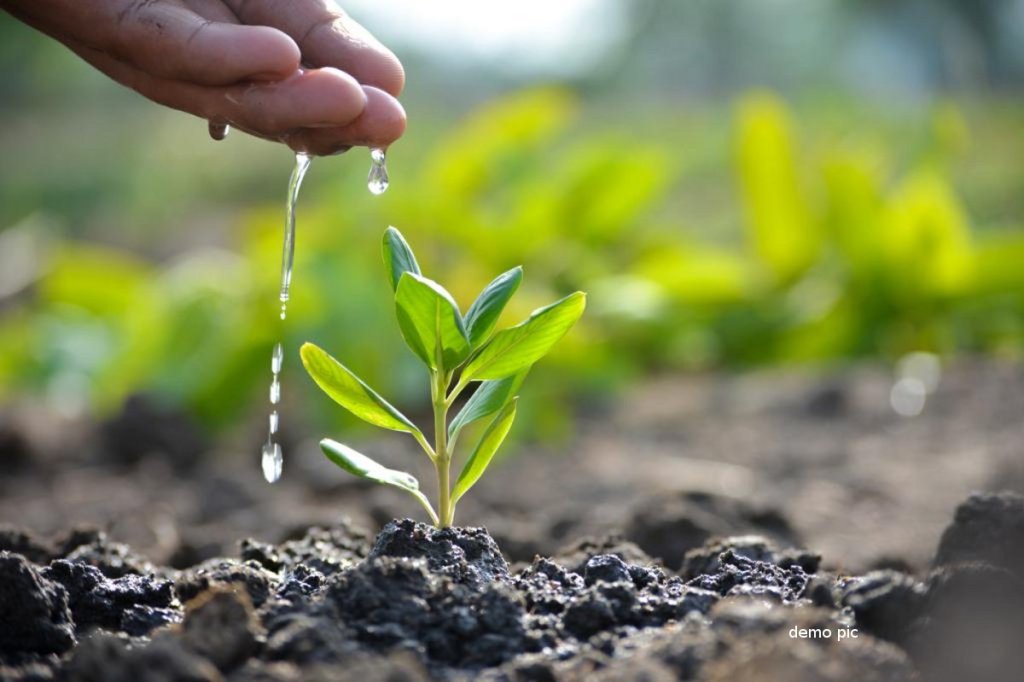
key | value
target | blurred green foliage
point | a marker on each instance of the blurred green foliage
(851, 242)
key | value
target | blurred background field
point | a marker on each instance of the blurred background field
(736, 184)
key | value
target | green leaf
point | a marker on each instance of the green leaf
(489, 397)
(431, 322)
(350, 392)
(398, 257)
(362, 466)
(489, 443)
(516, 348)
(484, 313)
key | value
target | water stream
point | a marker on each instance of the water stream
(377, 183)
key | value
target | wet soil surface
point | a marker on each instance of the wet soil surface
(771, 527)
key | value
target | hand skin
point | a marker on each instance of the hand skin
(296, 71)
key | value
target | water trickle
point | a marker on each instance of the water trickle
(273, 457)
(302, 161)
(377, 180)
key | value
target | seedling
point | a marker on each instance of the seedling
(456, 349)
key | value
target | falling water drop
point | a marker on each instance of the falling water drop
(377, 180)
(302, 161)
(274, 422)
(273, 461)
(277, 358)
(275, 390)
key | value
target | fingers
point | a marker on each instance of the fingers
(319, 98)
(328, 37)
(169, 40)
(381, 123)
(325, 98)
(214, 10)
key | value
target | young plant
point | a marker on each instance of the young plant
(458, 350)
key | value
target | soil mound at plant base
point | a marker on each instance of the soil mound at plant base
(422, 603)
(467, 555)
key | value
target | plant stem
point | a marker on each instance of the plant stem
(443, 457)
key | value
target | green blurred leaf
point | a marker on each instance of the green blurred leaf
(784, 234)
(398, 257)
(926, 239)
(489, 397)
(362, 466)
(103, 280)
(489, 443)
(431, 322)
(999, 260)
(516, 348)
(350, 392)
(484, 313)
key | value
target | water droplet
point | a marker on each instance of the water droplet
(277, 358)
(377, 180)
(219, 130)
(274, 422)
(275, 391)
(273, 461)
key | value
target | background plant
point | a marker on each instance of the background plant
(458, 351)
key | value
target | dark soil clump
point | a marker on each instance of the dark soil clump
(132, 603)
(34, 613)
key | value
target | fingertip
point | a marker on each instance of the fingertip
(335, 96)
(381, 123)
(277, 55)
(383, 120)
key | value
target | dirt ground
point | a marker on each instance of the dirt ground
(852, 479)
(668, 488)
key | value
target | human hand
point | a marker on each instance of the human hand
(297, 71)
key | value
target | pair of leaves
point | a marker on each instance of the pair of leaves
(429, 318)
(362, 466)
(354, 395)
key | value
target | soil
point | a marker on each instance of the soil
(719, 529)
